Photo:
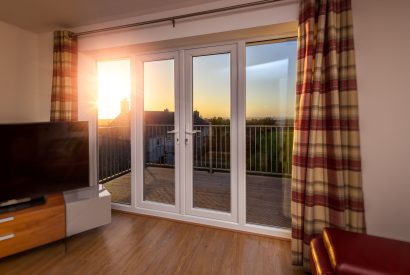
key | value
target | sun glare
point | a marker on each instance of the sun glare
(114, 85)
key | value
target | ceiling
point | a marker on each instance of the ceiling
(48, 15)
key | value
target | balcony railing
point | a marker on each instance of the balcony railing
(268, 149)
(114, 152)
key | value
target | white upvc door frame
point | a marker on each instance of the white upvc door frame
(234, 222)
(138, 120)
(188, 94)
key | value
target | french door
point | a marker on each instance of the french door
(186, 132)
(210, 123)
(157, 117)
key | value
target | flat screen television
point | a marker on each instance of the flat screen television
(37, 159)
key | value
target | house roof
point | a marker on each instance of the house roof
(155, 117)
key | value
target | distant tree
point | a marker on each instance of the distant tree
(270, 121)
(219, 121)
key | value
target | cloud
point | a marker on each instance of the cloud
(273, 69)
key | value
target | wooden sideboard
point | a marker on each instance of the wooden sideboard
(31, 227)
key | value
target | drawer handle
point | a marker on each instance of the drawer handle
(7, 237)
(9, 219)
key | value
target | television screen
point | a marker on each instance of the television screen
(41, 158)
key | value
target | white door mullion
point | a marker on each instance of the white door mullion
(138, 139)
(241, 132)
(234, 133)
(182, 115)
(187, 139)
(134, 107)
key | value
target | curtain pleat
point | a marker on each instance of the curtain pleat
(64, 102)
(326, 164)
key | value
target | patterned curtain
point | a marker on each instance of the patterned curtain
(326, 176)
(64, 89)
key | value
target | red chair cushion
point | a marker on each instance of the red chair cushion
(319, 259)
(354, 253)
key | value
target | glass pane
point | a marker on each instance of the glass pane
(211, 142)
(114, 143)
(159, 120)
(270, 103)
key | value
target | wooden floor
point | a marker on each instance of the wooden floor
(134, 244)
(268, 198)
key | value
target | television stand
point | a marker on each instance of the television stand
(42, 223)
(16, 205)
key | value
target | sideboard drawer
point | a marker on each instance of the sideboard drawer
(29, 228)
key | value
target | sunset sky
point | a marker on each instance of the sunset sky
(159, 85)
(211, 85)
(270, 92)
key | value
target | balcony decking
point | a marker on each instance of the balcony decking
(268, 198)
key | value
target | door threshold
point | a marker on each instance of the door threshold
(257, 230)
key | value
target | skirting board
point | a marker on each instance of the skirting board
(86, 214)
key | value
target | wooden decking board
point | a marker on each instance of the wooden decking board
(268, 198)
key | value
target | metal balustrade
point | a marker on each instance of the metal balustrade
(268, 149)
(114, 152)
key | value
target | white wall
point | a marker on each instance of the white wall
(18, 74)
(45, 71)
(382, 42)
(254, 17)
(26, 67)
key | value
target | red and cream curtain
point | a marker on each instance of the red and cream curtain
(64, 89)
(326, 176)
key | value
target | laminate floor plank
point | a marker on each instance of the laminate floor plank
(135, 244)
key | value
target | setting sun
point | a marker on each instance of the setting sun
(114, 85)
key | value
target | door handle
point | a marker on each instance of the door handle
(192, 132)
(174, 132)
(188, 132)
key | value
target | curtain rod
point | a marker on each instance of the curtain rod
(172, 19)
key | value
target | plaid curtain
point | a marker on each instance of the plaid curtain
(64, 89)
(326, 175)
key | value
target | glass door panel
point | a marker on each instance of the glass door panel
(159, 131)
(114, 136)
(208, 132)
(157, 134)
(270, 104)
(211, 126)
